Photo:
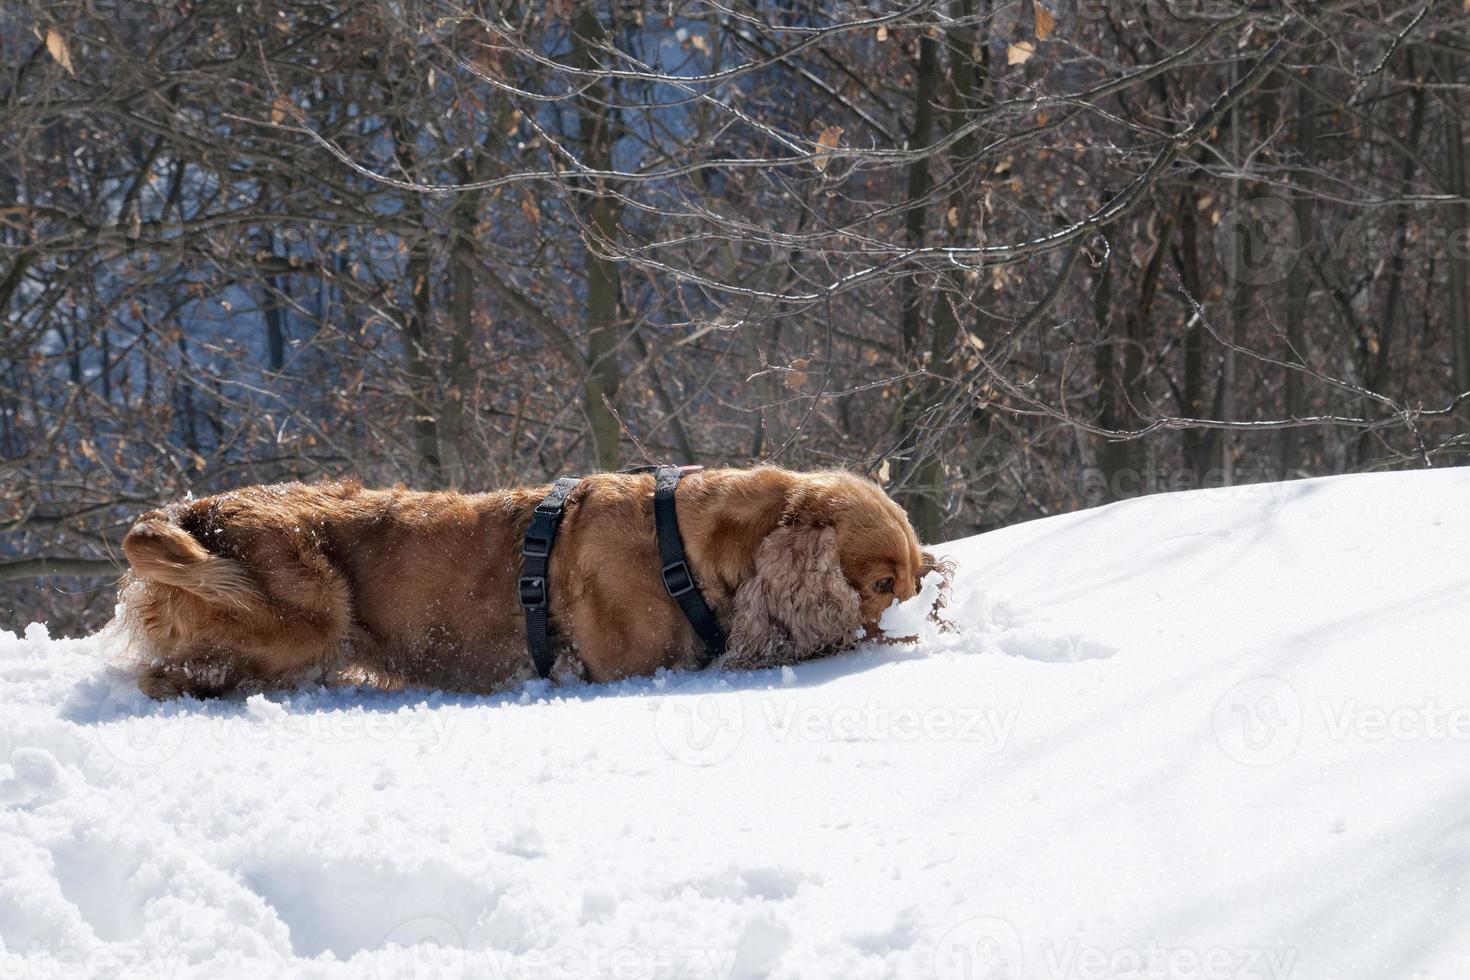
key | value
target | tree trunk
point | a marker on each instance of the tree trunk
(969, 74)
(599, 215)
(1376, 349)
(274, 308)
(459, 377)
(416, 328)
(1298, 288)
(1457, 217)
(918, 499)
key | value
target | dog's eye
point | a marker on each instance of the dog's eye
(884, 585)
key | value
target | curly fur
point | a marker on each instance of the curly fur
(797, 605)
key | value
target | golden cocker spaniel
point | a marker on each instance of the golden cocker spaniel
(269, 586)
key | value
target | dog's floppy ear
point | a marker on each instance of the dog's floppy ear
(797, 604)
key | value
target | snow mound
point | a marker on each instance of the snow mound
(1219, 734)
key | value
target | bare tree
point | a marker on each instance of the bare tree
(1009, 256)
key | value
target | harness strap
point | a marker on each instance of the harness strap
(678, 579)
(535, 560)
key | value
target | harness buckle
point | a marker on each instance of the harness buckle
(536, 547)
(678, 579)
(533, 591)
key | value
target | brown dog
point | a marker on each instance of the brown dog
(271, 585)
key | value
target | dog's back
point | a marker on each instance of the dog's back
(268, 586)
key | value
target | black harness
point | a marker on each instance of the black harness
(674, 568)
(535, 559)
(678, 579)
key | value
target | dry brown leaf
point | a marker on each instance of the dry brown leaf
(884, 472)
(280, 107)
(795, 379)
(530, 209)
(827, 140)
(1045, 22)
(700, 42)
(883, 31)
(1020, 53)
(56, 44)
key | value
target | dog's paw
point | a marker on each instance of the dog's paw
(160, 683)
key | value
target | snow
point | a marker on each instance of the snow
(1220, 734)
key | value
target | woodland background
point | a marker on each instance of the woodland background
(1011, 258)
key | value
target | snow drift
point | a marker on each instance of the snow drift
(1220, 734)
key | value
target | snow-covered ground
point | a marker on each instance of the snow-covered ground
(1222, 734)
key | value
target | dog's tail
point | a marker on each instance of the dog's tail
(160, 551)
